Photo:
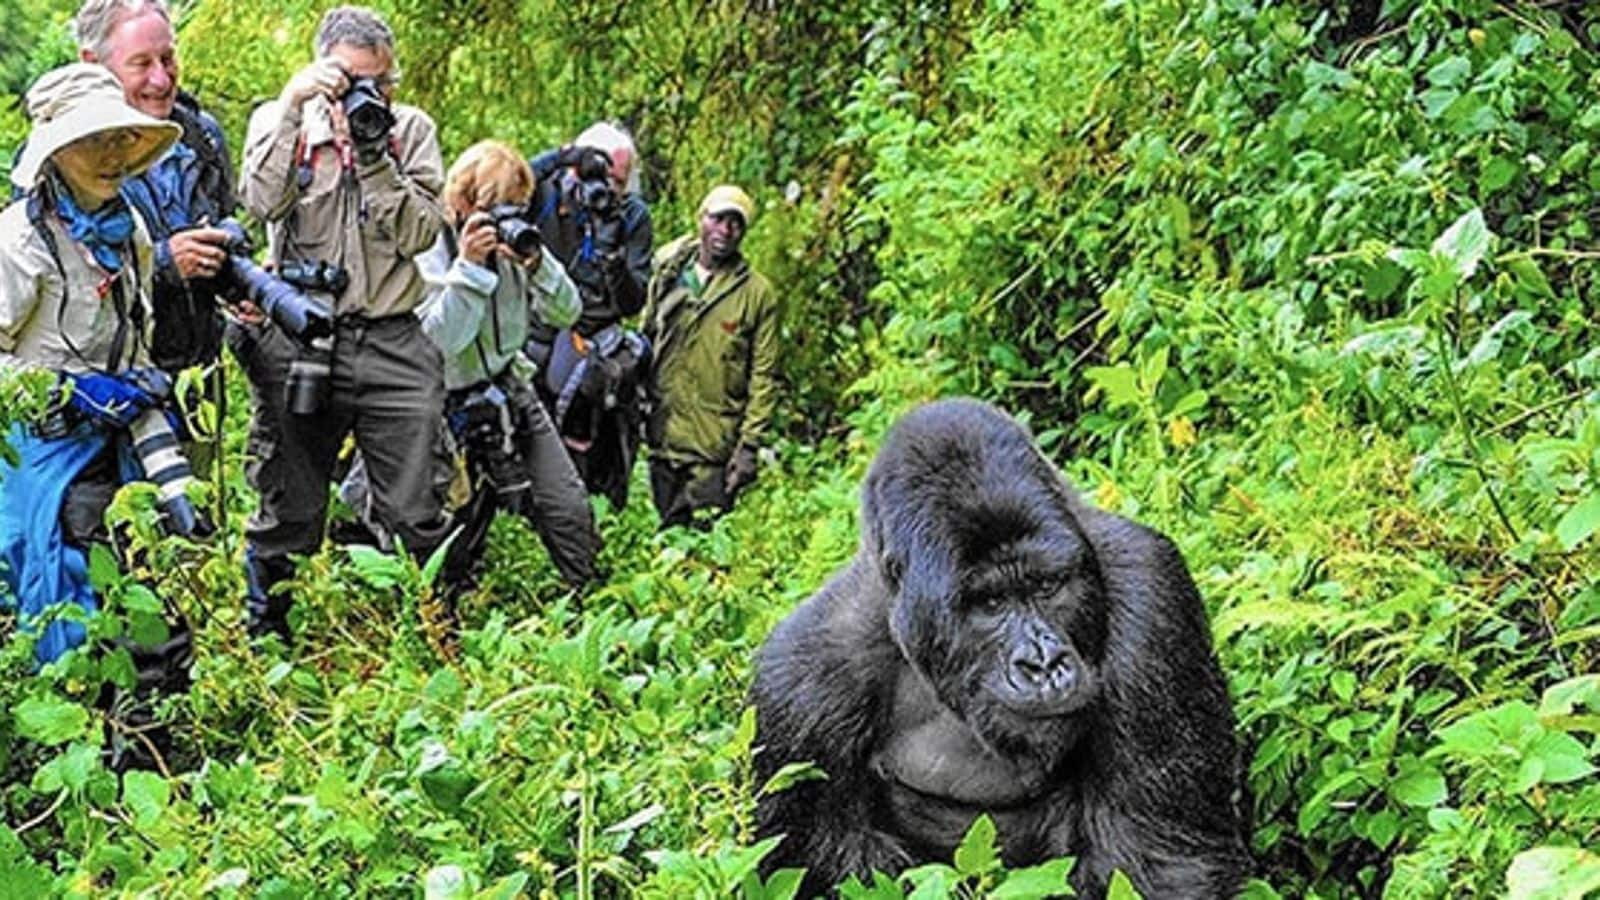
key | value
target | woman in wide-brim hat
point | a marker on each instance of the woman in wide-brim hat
(75, 278)
(72, 242)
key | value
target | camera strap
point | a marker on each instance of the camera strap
(36, 217)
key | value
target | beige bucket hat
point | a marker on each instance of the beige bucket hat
(78, 100)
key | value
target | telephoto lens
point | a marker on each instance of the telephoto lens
(164, 465)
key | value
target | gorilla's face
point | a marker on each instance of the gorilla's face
(1030, 624)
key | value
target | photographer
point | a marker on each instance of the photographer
(489, 279)
(348, 184)
(75, 281)
(588, 206)
(594, 219)
(182, 194)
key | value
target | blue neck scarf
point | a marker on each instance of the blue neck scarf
(103, 231)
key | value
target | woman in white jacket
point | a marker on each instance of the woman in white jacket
(489, 278)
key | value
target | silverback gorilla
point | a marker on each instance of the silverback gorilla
(998, 646)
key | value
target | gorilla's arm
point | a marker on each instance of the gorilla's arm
(822, 682)
(1169, 731)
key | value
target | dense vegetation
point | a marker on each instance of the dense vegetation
(1310, 289)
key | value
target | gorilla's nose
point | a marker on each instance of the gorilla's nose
(1044, 666)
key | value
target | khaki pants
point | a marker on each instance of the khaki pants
(388, 391)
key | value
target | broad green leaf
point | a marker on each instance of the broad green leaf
(1579, 522)
(1563, 697)
(50, 720)
(1119, 383)
(1464, 244)
(1553, 873)
(977, 853)
(1450, 72)
(1562, 758)
(146, 794)
(784, 884)
(1045, 880)
(1121, 888)
(378, 569)
(1422, 786)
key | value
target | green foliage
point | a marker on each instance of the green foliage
(1319, 305)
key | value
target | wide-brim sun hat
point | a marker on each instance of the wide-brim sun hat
(79, 100)
(728, 198)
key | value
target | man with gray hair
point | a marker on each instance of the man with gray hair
(185, 192)
(348, 183)
(592, 217)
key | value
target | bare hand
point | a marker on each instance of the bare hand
(478, 238)
(248, 312)
(324, 76)
(198, 252)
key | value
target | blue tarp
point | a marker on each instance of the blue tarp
(39, 568)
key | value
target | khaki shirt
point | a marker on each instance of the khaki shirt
(372, 227)
(36, 330)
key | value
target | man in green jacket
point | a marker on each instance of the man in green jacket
(713, 322)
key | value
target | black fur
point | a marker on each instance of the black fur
(998, 646)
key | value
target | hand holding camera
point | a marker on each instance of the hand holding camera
(281, 296)
(324, 76)
(199, 252)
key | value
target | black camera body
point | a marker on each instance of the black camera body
(483, 418)
(310, 380)
(367, 111)
(514, 229)
(594, 188)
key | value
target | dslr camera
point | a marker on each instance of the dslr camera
(594, 190)
(483, 420)
(513, 228)
(310, 378)
(367, 112)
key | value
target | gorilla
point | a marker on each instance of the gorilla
(998, 646)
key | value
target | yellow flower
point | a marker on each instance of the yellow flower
(1181, 432)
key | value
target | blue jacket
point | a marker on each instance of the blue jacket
(581, 243)
(192, 184)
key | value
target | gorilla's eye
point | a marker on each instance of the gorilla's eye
(987, 603)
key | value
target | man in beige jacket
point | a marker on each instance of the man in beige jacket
(346, 181)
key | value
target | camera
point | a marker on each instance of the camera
(161, 458)
(367, 111)
(513, 229)
(310, 380)
(301, 316)
(315, 275)
(482, 418)
(594, 182)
